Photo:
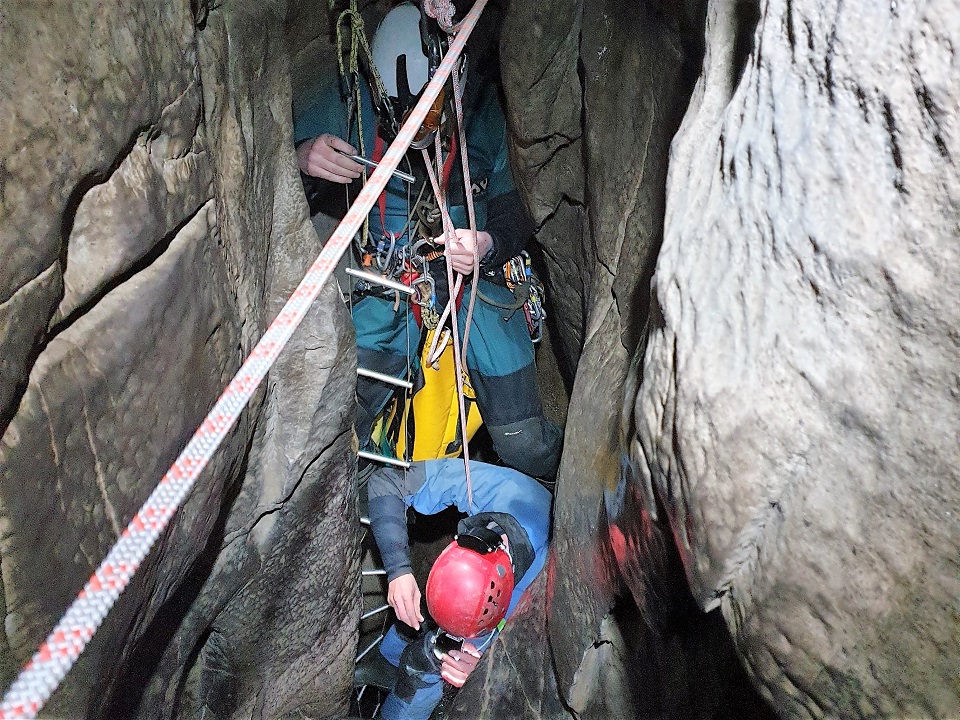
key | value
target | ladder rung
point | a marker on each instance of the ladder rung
(370, 647)
(379, 280)
(389, 379)
(371, 613)
(383, 459)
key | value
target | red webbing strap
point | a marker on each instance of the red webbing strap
(378, 145)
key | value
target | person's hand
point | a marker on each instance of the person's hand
(403, 595)
(456, 665)
(460, 250)
(320, 158)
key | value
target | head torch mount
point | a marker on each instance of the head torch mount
(481, 540)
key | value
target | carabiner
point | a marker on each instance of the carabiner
(424, 291)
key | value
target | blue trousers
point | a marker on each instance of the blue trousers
(426, 698)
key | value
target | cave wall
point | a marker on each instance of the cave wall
(799, 404)
(796, 407)
(151, 224)
(594, 95)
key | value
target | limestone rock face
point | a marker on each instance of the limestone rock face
(496, 688)
(594, 96)
(76, 101)
(800, 396)
(151, 225)
(538, 56)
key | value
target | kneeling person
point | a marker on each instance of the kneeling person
(474, 584)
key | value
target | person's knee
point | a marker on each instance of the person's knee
(532, 446)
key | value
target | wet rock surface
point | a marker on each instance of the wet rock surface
(595, 127)
(152, 225)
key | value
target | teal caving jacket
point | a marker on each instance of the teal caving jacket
(487, 155)
(498, 209)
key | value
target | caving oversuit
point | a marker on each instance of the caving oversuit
(500, 353)
(513, 503)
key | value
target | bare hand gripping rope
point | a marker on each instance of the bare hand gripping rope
(53, 660)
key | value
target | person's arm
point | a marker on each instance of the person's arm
(508, 221)
(510, 227)
(456, 665)
(325, 157)
(320, 136)
(388, 520)
(387, 490)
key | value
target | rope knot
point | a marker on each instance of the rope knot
(442, 11)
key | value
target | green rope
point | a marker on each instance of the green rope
(358, 43)
(358, 39)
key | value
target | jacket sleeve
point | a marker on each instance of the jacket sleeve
(322, 112)
(388, 491)
(510, 226)
(508, 221)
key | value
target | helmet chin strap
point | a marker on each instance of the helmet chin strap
(404, 95)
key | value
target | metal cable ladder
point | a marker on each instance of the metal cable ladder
(365, 521)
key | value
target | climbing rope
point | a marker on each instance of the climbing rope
(351, 76)
(58, 653)
(468, 192)
(443, 13)
(459, 352)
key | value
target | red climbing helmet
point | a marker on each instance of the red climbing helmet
(469, 587)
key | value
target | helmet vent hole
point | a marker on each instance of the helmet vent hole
(486, 611)
(492, 585)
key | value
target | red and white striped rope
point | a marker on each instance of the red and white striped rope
(57, 655)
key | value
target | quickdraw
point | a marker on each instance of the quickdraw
(519, 275)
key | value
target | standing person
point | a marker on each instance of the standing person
(473, 585)
(500, 353)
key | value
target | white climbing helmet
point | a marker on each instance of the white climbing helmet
(397, 44)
